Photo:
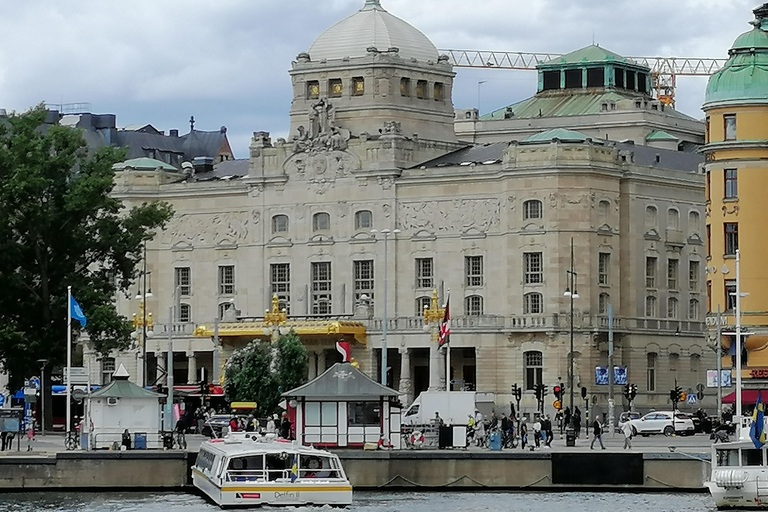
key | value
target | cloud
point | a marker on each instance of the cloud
(227, 62)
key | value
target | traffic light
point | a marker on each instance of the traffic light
(517, 391)
(632, 391)
(557, 391)
(538, 389)
(677, 395)
(627, 392)
(583, 393)
(544, 391)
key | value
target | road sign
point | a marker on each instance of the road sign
(557, 405)
(692, 400)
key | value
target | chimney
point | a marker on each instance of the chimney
(173, 133)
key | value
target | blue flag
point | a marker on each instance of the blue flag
(295, 468)
(76, 312)
(756, 432)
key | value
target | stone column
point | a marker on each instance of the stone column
(406, 385)
(161, 366)
(436, 364)
(312, 370)
(191, 367)
(321, 362)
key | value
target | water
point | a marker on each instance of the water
(552, 501)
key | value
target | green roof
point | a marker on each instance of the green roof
(121, 388)
(144, 163)
(560, 134)
(590, 54)
(660, 135)
(755, 38)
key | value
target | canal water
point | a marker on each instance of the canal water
(372, 502)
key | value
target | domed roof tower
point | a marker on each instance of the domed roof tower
(372, 69)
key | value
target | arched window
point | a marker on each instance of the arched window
(672, 308)
(532, 304)
(280, 224)
(321, 222)
(651, 220)
(534, 365)
(651, 371)
(603, 208)
(185, 313)
(602, 304)
(694, 220)
(363, 219)
(693, 309)
(422, 303)
(650, 306)
(473, 305)
(695, 367)
(532, 210)
(673, 219)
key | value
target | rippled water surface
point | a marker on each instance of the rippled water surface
(372, 502)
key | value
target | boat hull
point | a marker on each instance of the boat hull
(254, 494)
(750, 495)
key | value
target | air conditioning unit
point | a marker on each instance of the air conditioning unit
(112, 400)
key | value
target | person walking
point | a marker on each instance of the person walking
(597, 433)
(577, 422)
(626, 429)
(537, 433)
(549, 434)
(523, 434)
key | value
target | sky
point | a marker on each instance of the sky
(226, 62)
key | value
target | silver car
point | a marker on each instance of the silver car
(660, 422)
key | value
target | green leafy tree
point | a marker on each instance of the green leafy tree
(59, 227)
(260, 372)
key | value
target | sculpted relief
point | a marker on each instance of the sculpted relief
(205, 229)
(450, 216)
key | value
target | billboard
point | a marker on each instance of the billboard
(619, 375)
(725, 378)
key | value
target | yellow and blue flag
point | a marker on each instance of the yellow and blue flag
(295, 469)
(756, 432)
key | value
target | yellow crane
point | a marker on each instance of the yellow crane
(664, 70)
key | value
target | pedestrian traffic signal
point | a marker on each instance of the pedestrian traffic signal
(627, 392)
(632, 391)
(677, 395)
(557, 391)
(583, 393)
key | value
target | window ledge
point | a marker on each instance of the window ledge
(729, 256)
(730, 199)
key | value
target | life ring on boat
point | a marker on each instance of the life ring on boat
(417, 438)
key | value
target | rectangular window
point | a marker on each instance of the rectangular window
(226, 279)
(421, 89)
(358, 86)
(731, 238)
(473, 267)
(405, 87)
(706, 133)
(650, 272)
(651, 383)
(534, 365)
(730, 294)
(603, 268)
(185, 313)
(534, 272)
(425, 277)
(335, 88)
(363, 272)
(693, 275)
(439, 91)
(729, 123)
(321, 288)
(280, 284)
(107, 369)
(313, 90)
(731, 184)
(673, 269)
(182, 280)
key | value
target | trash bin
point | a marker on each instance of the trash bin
(494, 441)
(444, 436)
(570, 437)
(83, 441)
(140, 442)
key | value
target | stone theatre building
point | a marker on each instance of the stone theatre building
(489, 215)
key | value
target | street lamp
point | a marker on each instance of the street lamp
(386, 233)
(42, 363)
(145, 322)
(570, 292)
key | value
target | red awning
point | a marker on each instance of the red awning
(748, 396)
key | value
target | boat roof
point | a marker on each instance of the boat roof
(245, 444)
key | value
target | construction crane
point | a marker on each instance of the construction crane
(664, 70)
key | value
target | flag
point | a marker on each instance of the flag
(76, 312)
(295, 468)
(756, 432)
(445, 326)
(345, 350)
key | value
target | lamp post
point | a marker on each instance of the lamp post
(571, 293)
(386, 233)
(144, 321)
(42, 363)
(433, 315)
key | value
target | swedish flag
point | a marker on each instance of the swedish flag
(756, 432)
(295, 468)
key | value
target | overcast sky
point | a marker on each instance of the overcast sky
(226, 61)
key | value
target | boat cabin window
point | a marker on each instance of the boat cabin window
(751, 457)
(277, 465)
(205, 460)
(251, 462)
(413, 410)
(315, 466)
(727, 457)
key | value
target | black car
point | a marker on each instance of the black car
(214, 425)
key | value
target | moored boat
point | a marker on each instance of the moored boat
(248, 470)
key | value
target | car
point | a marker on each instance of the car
(214, 425)
(660, 422)
(625, 417)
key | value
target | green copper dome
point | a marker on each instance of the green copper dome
(744, 78)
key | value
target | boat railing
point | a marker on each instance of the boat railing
(261, 475)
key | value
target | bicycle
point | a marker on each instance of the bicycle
(71, 441)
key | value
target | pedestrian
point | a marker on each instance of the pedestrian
(549, 435)
(3, 440)
(478, 417)
(271, 424)
(597, 432)
(537, 432)
(233, 425)
(559, 421)
(523, 435)
(438, 421)
(577, 421)
(30, 437)
(480, 432)
(127, 439)
(626, 429)
(285, 427)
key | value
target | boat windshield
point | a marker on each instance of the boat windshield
(318, 466)
(751, 457)
(729, 457)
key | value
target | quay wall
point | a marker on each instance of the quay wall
(374, 470)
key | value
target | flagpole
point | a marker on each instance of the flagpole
(448, 348)
(69, 358)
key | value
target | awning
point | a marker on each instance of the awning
(748, 396)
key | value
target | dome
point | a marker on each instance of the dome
(744, 78)
(372, 26)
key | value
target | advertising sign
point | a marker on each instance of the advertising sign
(619, 375)
(725, 378)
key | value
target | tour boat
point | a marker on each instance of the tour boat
(739, 477)
(248, 470)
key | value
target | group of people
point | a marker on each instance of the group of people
(479, 428)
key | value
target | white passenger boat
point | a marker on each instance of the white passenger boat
(248, 470)
(739, 477)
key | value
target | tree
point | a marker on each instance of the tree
(261, 372)
(60, 227)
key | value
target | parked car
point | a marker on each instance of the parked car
(660, 422)
(214, 425)
(625, 417)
